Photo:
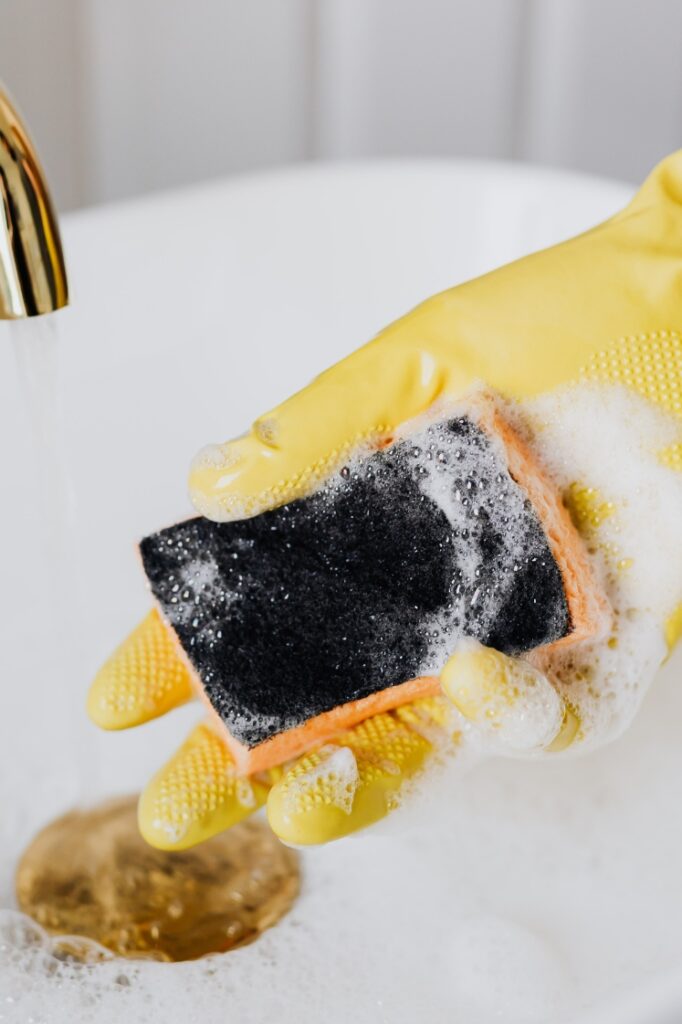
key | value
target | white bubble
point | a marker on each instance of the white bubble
(336, 773)
(607, 441)
(501, 970)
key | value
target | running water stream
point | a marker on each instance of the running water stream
(36, 343)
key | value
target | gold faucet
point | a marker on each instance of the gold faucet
(32, 272)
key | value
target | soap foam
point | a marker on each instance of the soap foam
(608, 441)
(461, 468)
(480, 493)
(335, 775)
(501, 969)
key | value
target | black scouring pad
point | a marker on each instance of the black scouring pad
(362, 586)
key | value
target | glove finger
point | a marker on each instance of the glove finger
(508, 699)
(358, 402)
(143, 678)
(355, 781)
(197, 794)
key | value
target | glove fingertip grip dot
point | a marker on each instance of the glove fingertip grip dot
(197, 794)
(345, 786)
(143, 678)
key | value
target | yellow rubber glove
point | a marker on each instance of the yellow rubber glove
(604, 307)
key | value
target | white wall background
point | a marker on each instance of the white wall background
(128, 96)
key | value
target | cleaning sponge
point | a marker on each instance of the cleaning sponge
(309, 618)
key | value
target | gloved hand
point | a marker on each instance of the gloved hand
(603, 307)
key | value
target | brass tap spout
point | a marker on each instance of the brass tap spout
(32, 272)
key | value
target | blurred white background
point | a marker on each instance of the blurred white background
(128, 96)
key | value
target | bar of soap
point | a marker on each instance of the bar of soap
(306, 619)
